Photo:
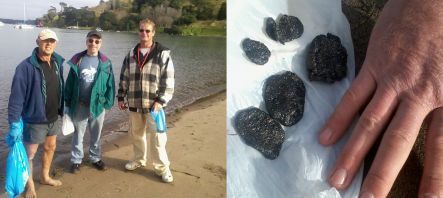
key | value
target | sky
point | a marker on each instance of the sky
(13, 9)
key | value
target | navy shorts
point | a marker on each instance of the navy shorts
(37, 133)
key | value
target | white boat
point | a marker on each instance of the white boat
(1, 24)
(72, 27)
(24, 25)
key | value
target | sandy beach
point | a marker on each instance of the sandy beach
(196, 148)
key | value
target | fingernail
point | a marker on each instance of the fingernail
(430, 195)
(325, 135)
(366, 195)
(339, 177)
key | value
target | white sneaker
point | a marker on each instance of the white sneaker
(167, 176)
(132, 165)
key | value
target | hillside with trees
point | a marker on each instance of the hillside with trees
(184, 17)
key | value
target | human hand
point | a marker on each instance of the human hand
(122, 105)
(400, 83)
(157, 106)
(15, 133)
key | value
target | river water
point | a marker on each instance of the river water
(199, 62)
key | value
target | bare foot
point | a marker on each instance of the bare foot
(30, 190)
(51, 182)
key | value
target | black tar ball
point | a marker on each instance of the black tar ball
(260, 131)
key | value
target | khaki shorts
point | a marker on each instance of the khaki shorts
(37, 133)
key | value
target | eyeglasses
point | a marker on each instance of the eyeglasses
(94, 40)
(142, 30)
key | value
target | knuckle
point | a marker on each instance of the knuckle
(400, 139)
(369, 121)
(351, 95)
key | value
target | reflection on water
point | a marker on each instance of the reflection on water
(200, 63)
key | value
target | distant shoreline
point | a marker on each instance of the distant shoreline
(197, 30)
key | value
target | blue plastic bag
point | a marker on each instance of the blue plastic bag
(160, 120)
(17, 170)
(17, 167)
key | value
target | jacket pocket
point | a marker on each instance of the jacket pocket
(101, 98)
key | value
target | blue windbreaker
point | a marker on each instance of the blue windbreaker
(28, 90)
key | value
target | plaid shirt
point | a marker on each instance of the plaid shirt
(153, 82)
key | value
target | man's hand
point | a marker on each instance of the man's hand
(157, 106)
(399, 85)
(121, 105)
(15, 132)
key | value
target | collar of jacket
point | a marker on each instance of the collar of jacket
(156, 45)
(75, 60)
(55, 57)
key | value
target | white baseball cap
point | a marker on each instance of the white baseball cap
(47, 34)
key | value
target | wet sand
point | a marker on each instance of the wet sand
(196, 148)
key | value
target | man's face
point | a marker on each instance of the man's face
(46, 47)
(146, 32)
(93, 43)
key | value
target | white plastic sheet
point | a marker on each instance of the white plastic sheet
(302, 168)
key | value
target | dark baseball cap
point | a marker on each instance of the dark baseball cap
(94, 33)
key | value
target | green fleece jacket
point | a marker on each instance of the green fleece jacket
(103, 87)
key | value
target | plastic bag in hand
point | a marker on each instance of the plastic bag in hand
(17, 169)
(15, 132)
(160, 120)
(67, 124)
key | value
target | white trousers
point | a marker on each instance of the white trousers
(139, 125)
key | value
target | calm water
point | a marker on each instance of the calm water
(200, 63)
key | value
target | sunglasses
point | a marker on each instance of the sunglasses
(93, 40)
(142, 30)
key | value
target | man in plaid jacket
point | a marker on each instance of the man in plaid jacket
(147, 82)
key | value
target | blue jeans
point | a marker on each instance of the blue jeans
(81, 120)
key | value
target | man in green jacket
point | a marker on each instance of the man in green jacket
(89, 91)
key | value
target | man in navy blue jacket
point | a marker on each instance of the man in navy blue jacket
(37, 98)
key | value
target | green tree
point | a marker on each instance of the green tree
(87, 18)
(205, 12)
(71, 16)
(52, 13)
(175, 4)
(129, 22)
(205, 9)
(138, 4)
(60, 22)
(185, 20)
(222, 12)
(108, 21)
(153, 3)
(63, 5)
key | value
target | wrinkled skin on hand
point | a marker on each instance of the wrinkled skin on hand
(399, 86)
